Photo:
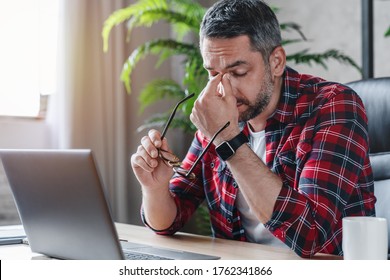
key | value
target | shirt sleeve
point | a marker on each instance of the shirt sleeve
(307, 216)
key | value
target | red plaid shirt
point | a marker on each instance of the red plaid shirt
(317, 142)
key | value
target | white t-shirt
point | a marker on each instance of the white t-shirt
(255, 230)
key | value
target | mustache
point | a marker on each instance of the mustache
(243, 101)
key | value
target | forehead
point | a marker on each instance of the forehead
(220, 53)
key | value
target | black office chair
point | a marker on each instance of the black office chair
(375, 94)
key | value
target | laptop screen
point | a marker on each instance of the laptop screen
(61, 202)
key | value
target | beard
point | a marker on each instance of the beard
(261, 102)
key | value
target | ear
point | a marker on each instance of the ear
(277, 61)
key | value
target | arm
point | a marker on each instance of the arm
(258, 184)
(187, 194)
(215, 106)
(331, 178)
(159, 208)
(167, 209)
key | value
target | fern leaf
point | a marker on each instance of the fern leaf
(286, 42)
(157, 90)
(154, 47)
(288, 26)
(185, 16)
(189, 7)
(303, 57)
(387, 32)
(158, 121)
(125, 14)
(147, 18)
(196, 76)
(194, 11)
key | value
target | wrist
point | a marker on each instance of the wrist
(151, 193)
(226, 135)
(227, 149)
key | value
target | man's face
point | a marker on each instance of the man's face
(250, 77)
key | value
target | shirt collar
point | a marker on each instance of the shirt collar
(284, 112)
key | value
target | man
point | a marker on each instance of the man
(296, 161)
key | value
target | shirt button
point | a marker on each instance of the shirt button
(235, 185)
(229, 220)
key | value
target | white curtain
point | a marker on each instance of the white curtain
(89, 108)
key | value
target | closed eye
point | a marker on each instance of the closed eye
(235, 74)
(212, 75)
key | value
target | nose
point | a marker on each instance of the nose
(221, 89)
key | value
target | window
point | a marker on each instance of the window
(28, 31)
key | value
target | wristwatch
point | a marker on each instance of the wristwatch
(227, 149)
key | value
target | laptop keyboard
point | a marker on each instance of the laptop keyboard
(140, 256)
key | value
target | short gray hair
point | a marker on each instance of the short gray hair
(254, 18)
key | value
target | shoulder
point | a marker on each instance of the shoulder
(311, 89)
(313, 95)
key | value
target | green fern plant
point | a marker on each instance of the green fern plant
(185, 16)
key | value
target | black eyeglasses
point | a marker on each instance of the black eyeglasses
(171, 159)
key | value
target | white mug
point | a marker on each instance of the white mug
(365, 238)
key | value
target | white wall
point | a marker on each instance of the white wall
(18, 133)
(337, 24)
(23, 133)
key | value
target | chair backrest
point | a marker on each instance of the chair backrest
(375, 94)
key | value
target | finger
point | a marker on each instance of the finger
(208, 93)
(143, 161)
(138, 163)
(220, 89)
(149, 147)
(212, 86)
(155, 137)
(152, 162)
(227, 86)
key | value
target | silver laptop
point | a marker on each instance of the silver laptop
(64, 211)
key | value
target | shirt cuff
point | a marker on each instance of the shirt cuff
(287, 210)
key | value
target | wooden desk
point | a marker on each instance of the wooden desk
(226, 249)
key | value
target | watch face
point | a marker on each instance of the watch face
(225, 151)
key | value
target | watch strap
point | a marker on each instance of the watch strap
(238, 140)
(228, 148)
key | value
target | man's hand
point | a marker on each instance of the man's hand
(215, 106)
(150, 170)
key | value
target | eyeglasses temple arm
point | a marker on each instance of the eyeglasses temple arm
(173, 114)
(206, 148)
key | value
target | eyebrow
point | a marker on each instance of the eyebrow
(234, 64)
